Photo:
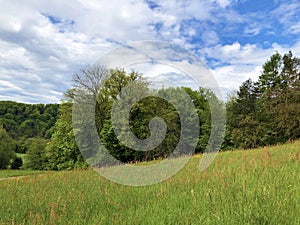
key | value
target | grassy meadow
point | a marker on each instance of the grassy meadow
(240, 187)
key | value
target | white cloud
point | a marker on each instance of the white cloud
(288, 15)
(295, 28)
(236, 54)
(238, 63)
(231, 77)
(210, 37)
(223, 3)
(6, 84)
(253, 29)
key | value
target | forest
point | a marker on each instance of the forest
(21, 125)
(261, 113)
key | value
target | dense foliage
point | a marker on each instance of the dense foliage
(23, 121)
(35, 153)
(62, 152)
(140, 114)
(266, 112)
(148, 108)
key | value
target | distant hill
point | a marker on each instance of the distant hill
(22, 121)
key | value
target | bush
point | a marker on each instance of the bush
(17, 163)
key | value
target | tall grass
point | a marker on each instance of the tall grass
(242, 187)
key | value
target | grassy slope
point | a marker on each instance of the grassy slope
(242, 187)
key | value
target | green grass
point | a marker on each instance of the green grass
(242, 187)
(16, 173)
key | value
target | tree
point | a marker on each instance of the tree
(271, 75)
(93, 86)
(279, 102)
(35, 153)
(7, 147)
(62, 152)
(201, 103)
(109, 93)
(112, 85)
(88, 80)
(242, 118)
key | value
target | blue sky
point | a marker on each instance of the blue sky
(42, 43)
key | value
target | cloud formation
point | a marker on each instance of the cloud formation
(43, 43)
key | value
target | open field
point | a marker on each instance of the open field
(242, 187)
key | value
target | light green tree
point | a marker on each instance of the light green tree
(62, 152)
(35, 153)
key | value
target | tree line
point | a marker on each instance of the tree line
(260, 113)
(266, 112)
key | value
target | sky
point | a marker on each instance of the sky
(43, 43)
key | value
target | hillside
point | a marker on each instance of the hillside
(260, 186)
(22, 121)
